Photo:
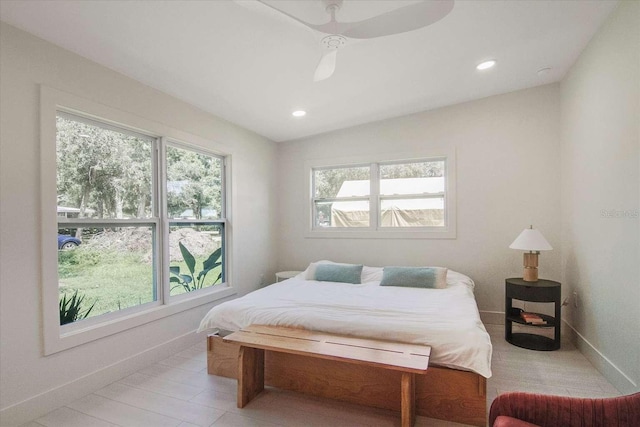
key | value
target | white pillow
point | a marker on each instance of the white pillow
(371, 274)
(441, 277)
(310, 272)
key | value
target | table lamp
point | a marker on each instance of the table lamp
(533, 241)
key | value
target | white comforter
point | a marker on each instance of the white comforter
(446, 319)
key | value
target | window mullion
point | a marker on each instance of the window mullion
(223, 183)
(374, 197)
(447, 193)
(160, 178)
(104, 222)
(414, 196)
(341, 199)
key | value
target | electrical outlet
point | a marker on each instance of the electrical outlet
(575, 299)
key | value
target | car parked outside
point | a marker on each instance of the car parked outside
(67, 242)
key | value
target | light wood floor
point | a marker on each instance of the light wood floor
(178, 392)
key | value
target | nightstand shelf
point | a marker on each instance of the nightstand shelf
(534, 342)
(539, 291)
(551, 321)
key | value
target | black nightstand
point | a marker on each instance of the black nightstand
(540, 291)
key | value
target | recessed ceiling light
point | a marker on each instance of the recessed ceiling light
(299, 113)
(486, 65)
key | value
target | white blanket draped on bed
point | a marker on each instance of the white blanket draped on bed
(446, 319)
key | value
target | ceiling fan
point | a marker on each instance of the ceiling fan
(401, 20)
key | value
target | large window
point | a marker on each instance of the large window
(140, 220)
(139, 209)
(400, 198)
(107, 218)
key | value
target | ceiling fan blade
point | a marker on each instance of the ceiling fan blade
(407, 18)
(307, 24)
(326, 66)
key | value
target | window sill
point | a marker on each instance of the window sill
(380, 234)
(76, 334)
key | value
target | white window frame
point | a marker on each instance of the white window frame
(168, 142)
(58, 338)
(375, 231)
(370, 198)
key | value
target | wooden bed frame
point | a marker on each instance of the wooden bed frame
(441, 393)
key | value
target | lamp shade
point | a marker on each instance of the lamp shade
(531, 240)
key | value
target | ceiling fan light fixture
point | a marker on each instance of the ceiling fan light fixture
(299, 113)
(333, 41)
(486, 65)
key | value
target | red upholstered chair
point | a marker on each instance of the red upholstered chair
(517, 409)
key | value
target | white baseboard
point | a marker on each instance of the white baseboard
(39, 405)
(611, 372)
(492, 317)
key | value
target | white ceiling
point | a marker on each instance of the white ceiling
(244, 62)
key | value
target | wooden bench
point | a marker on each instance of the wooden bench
(409, 359)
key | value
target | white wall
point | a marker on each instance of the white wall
(30, 382)
(508, 176)
(508, 170)
(600, 171)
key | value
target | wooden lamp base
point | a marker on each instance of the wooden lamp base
(530, 267)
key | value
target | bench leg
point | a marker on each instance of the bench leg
(408, 399)
(250, 374)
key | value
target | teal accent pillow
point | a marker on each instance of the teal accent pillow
(413, 277)
(345, 273)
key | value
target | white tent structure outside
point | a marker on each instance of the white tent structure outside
(422, 206)
(67, 212)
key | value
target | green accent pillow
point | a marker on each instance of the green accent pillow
(414, 277)
(345, 273)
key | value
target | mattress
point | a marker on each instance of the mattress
(445, 319)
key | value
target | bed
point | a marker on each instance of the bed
(446, 319)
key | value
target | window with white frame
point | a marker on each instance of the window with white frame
(404, 198)
(195, 207)
(140, 220)
(139, 209)
(337, 191)
(412, 194)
